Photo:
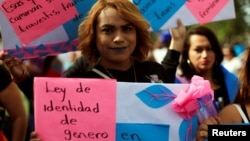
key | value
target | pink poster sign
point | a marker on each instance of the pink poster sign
(205, 10)
(31, 19)
(75, 109)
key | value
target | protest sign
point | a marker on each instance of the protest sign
(54, 32)
(163, 15)
(87, 109)
(75, 109)
(47, 27)
(30, 19)
(145, 112)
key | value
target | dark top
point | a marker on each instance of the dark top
(140, 72)
(27, 86)
(223, 94)
(146, 71)
(5, 78)
(80, 66)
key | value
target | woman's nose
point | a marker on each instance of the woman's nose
(204, 53)
(119, 37)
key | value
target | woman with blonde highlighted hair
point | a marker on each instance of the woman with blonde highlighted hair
(128, 12)
(115, 39)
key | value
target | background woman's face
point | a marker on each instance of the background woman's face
(115, 37)
(200, 53)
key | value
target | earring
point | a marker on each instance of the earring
(188, 61)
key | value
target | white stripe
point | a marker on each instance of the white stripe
(241, 113)
(101, 73)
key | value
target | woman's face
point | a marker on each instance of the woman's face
(200, 53)
(115, 37)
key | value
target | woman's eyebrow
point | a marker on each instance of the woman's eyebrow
(113, 26)
(108, 25)
(126, 25)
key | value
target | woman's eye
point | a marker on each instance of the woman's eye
(198, 50)
(107, 30)
(128, 28)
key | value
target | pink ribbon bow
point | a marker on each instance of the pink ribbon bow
(186, 103)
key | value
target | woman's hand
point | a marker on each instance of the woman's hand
(14, 65)
(178, 35)
(202, 132)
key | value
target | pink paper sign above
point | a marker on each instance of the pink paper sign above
(75, 109)
(205, 10)
(30, 19)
